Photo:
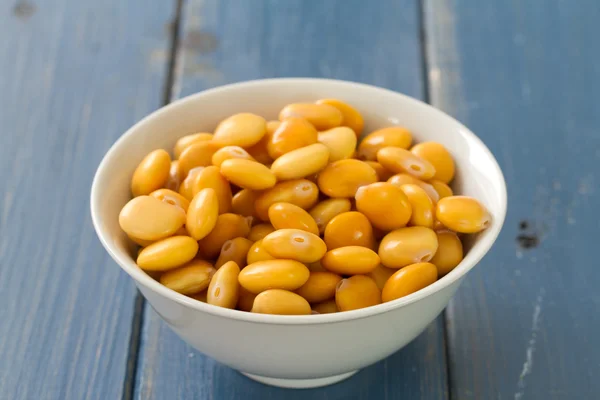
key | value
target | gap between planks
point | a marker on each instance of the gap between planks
(139, 305)
(427, 95)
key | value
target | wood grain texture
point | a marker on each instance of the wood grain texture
(224, 42)
(75, 75)
(227, 41)
(524, 76)
(169, 368)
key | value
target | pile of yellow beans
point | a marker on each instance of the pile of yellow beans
(297, 217)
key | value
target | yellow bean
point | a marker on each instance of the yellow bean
(403, 179)
(227, 227)
(400, 160)
(259, 231)
(385, 205)
(290, 216)
(189, 140)
(242, 130)
(148, 218)
(408, 280)
(280, 302)
(248, 174)
(300, 192)
(438, 226)
(462, 214)
(234, 250)
(326, 307)
(439, 157)
(421, 204)
(197, 155)
(407, 246)
(272, 126)
(343, 178)
(291, 134)
(349, 229)
(192, 278)
(257, 253)
(245, 299)
(313, 178)
(356, 292)
(449, 253)
(442, 189)
(172, 198)
(259, 151)
(199, 296)
(301, 162)
(322, 116)
(273, 274)
(319, 287)
(350, 260)
(229, 152)
(243, 202)
(202, 214)
(223, 288)
(210, 177)
(175, 176)
(186, 189)
(168, 253)
(316, 267)
(350, 115)
(152, 274)
(394, 136)
(182, 232)
(340, 141)
(382, 173)
(152, 173)
(326, 210)
(380, 275)
(141, 242)
(294, 244)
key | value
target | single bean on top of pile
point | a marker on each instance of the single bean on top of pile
(293, 217)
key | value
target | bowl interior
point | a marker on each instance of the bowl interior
(478, 174)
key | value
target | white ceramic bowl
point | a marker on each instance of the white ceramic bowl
(296, 351)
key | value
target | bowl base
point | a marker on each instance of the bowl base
(300, 383)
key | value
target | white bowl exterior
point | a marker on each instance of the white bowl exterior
(300, 351)
(321, 345)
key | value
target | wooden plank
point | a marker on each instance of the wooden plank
(75, 75)
(524, 77)
(226, 41)
(169, 367)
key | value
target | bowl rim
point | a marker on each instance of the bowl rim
(145, 280)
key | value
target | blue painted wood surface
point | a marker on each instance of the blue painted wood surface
(525, 77)
(169, 368)
(73, 76)
(226, 41)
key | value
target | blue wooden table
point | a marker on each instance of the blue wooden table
(524, 75)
